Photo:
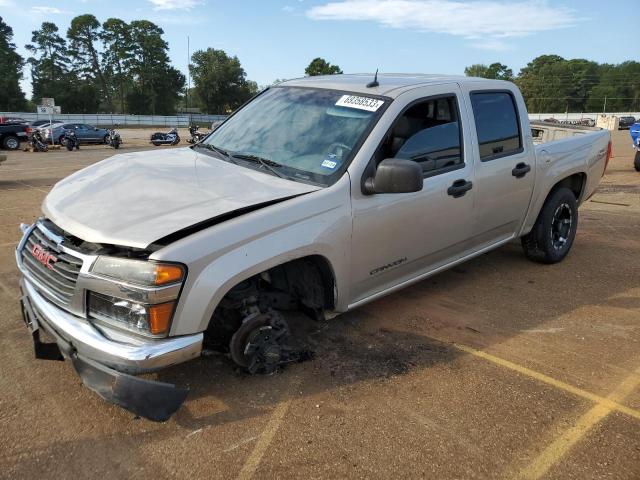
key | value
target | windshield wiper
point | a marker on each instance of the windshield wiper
(265, 162)
(218, 150)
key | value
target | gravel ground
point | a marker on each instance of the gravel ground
(498, 368)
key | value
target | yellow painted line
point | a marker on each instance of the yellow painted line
(610, 403)
(551, 455)
(255, 457)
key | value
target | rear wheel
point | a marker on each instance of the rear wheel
(105, 139)
(11, 143)
(555, 229)
(61, 140)
(636, 161)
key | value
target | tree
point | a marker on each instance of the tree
(544, 84)
(11, 95)
(52, 75)
(117, 56)
(495, 71)
(83, 34)
(220, 81)
(319, 66)
(157, 85)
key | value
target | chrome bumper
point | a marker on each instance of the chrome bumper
(85, 339)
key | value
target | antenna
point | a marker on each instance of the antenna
(375, 81)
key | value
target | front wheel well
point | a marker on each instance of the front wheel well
(306, 284)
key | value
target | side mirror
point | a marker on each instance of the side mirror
(395, 175)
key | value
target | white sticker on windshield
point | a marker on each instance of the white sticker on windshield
(329, 164)
(361, 103)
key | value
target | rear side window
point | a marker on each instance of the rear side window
(497, 124)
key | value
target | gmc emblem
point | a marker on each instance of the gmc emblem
(44, 257)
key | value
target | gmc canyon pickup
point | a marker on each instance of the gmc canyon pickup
(319, 195)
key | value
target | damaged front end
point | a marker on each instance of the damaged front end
(110, 329)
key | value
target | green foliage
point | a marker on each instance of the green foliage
(220, 81)
(117, 59)
(84, 34)
(113, 66)
(319, 66)
(550, 83)
(11, 95)
(495, 71)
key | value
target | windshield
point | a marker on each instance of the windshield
(304, 134)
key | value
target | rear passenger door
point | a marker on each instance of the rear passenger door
(504, 164)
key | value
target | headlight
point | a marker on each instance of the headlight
(137, 317)
(138, 271)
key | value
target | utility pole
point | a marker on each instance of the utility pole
(188, 76)
(604, 108)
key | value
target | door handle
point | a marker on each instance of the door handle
(521, 170)
(459, 188)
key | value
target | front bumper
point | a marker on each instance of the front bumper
(105, 365)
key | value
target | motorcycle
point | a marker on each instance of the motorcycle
(171, 138)
(70, 140)
(114, 139)
(196, 137)
(37, 142)
(634, 131)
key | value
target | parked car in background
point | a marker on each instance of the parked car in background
(43, 123)
(12, 120)
(11, 134)
(85, 133)
(626, 122)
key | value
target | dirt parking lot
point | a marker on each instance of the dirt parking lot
(499, 368)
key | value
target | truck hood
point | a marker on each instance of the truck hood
(138, 198)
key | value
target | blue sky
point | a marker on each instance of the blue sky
(278, 38)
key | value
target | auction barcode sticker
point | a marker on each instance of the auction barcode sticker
(362, 103)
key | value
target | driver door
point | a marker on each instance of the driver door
(399, 237)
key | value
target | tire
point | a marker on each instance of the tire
(636, 161)
(116, 143)
(61, 140)
(156, 143)
(555, 229)
(11, 143)
(69, 146)
(105, 139)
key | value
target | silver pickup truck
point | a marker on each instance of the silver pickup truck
(318, 196)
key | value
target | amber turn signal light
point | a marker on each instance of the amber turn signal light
(166, 273)
(160, 317)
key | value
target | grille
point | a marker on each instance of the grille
(61, 279)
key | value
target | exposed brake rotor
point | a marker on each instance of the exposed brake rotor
(261, 343)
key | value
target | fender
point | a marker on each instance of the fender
(315, 224)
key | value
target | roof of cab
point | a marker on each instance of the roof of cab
(391, 84)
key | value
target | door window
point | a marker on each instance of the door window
(497, 124)
(428, 132)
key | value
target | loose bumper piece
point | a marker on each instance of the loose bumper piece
(153, 400)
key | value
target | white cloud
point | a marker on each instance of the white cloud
(175, 4)
(488, 21)
(39, 10)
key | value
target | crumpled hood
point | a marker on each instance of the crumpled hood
(137, 198)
